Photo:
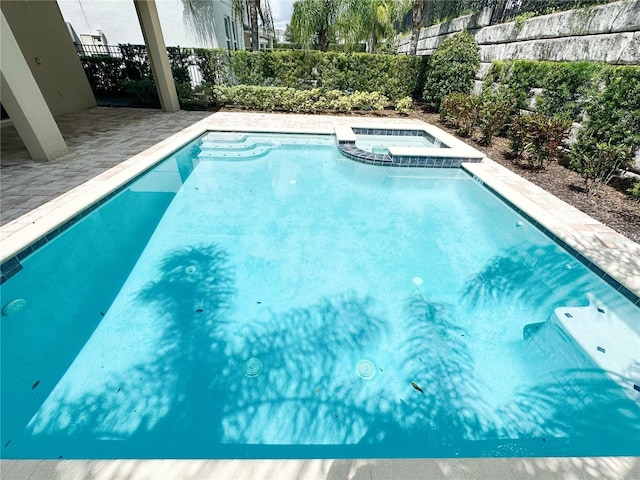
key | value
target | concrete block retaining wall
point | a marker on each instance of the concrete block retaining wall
(609, 33)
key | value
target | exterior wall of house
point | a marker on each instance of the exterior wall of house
(47, 48)
(117, 20)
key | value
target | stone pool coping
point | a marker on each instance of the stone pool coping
(601, 468)
(616, 255)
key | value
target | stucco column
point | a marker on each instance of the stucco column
(150, 24)
(24, 102)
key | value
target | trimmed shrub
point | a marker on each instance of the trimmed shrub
(538, 139)
(488, 111)
(143, 90)
(404, 105)
(179, 62)
(496, 106)
(394, 76)
(294, 100)
(565, 86)
(613, 110)
(635, 191)
(460, 110)
(136, 62)
(248, 68)
(105, 74)
(612, 131)
(213, 65)
(599, 166)
(452, 69)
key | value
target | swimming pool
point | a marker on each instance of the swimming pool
(326, 321)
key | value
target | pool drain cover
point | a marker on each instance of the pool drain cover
(365, 369)
(252, 367)
(14, 306)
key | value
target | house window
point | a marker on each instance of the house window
(227, 31)
(235, 35)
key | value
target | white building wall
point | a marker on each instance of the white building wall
(46, 46)
(118, 22)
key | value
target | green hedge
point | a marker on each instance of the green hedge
(566, 86)
(394, 76)
(105, 74)
(452, 68)
(605, 98)
(295, 100)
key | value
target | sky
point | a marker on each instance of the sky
(281, 12)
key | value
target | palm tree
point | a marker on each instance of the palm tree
(419, 12)
(369, 20)
(254, 9)
(313, 21)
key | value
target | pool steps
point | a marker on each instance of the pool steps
(232, 146)
(608, 340)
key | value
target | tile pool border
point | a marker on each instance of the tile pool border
(555, 217)
(449, 154)
(39, 222)
(627, 293)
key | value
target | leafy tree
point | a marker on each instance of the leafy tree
(318, 22)
(288, 36)
(313, 22)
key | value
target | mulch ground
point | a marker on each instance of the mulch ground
(611, 205)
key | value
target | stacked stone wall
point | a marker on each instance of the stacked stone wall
(608, 33)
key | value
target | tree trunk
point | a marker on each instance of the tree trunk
(418, 12)
(253, 19)
(323, 40)
(373, 41)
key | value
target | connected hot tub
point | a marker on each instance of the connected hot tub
(429, 147)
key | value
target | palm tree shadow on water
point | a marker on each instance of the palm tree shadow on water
(195, 399)
(447, 415)
(158, 407)
(575, 408)
(580, 412)
(193, 294)
(311, 394)
(534, 275)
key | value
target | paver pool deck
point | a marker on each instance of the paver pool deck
(108, 146)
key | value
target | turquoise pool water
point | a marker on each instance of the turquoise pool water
(265, 297)
(381, 143)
